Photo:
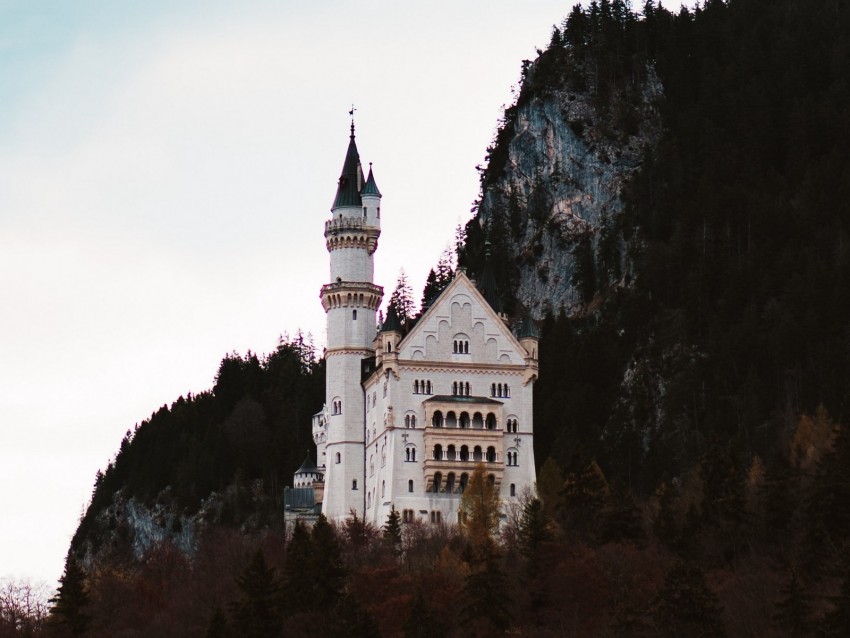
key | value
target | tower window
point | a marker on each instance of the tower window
(354, 484)
(410, 485)
(338, 460)
(513, 489)
(354, 315)
(364, 211)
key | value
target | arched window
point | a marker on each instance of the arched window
(410, 453)
(499, 390)
(354, 315)
(451, 420)
(354, 484)
(512, 456)
(438, 452)
(416, 387)
(407, 455)
(413, 420)
(428, 387)
(410, 485)
(464, 453)
(491, 421)
(450, 483)
(493, 390)
(337, 458)
(438, 479)
(464, 479)
(467, 388)
(513, 489)
(492, 479)
(507, 391)
(383, 488)
(491, 454)
(454, 388)
(477, 421)
(437, 419)
(451, 453)
(476, 454)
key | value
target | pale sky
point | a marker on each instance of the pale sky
(166, 168)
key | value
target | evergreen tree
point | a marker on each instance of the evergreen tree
(793, 610)
(685, 606)
(402, 300)
(218, 627)
(298, 575)
(621, 519)
(70, 604)
(422, 621)
(550, 483)
(585, 496)
(326, 565)
(257, 614)
(484, 596)
(392, 531)
(351, 620)
(837, 620)
(533, 528)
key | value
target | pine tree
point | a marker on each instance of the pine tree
(793, 610)
(392, 531)
(550, 483)
(484, 595)
(71, 600)
(257, 614)
(533, 528)
(585, 496)
(326, 565)
(218, 627)
(422, 621)
(685, 606)
(298, 575)
(402, 299)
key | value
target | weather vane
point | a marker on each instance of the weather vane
(351, 113)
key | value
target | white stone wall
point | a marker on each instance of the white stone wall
(351, 264)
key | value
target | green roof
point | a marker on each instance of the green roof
(348, 190)
(370, 188)
(392, 323)
(487, 286)
(527, 328)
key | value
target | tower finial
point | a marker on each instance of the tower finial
(351, 113)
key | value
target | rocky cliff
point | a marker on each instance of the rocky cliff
(556, 176)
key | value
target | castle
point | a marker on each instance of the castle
(408, 417)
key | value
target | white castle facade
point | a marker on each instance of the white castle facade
(408, 417)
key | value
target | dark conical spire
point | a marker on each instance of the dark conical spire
(392, 322)
(351, 178)
(487, 286)
(527, 329)
(370, 188)
(307, 466)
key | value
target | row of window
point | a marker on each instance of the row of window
(500, 390)
(460, 346)
(422, 387)
(452, 454)
(478, 421)
(410, 420)
(438, 478)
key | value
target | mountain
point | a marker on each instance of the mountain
(669, 194)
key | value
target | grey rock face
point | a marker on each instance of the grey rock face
(567, 164)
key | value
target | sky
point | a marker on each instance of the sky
(166, 168)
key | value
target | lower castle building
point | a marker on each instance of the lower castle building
(409, 416)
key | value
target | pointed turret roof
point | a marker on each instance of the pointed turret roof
(392, 322)
(487, 286)
(307, 466)
(351, 178)
(370, 188)
(527, 329)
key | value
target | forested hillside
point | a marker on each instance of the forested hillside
(668, 196)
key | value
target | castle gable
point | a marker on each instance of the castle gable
(460, 326)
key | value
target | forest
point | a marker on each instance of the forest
(691, 430)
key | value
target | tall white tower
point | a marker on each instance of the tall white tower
(350, 301)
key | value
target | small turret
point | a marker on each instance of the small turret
(370, 197)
